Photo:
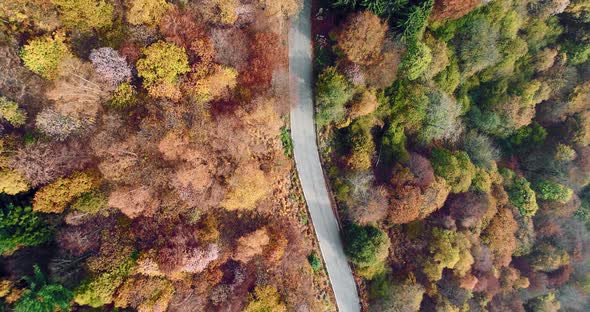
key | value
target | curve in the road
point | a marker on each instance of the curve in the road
(308, 163)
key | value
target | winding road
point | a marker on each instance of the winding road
(308, 163)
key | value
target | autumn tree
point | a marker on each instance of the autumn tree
(147, 12)
(219, 11)
(54, 197)
(448, 249)
(59, 126)
(266, 54)
(78, 90)
(246, 187)
(11, 113)
(364, 104)
(499, 236)
(145, 294)
(160, 67)
(251, 245)
(111, 66)
(267, 299)
(134, 202)
(85, 15)
(288, 8)
(43, 55)
(361, 37)
(452, 9)
(12, 182)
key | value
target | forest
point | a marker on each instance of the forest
(144, 160)
(456, 135)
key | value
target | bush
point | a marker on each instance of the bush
(454, 167)
(332, 92)
(314, 261)
(42, 55)
(20, 227)
(549, 190)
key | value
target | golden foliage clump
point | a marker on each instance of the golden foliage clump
(266, 298)
(247, 186)
(219, 11)
(361, 38)
(251, 245)
(12, 182)
(54, 197)
(147, 12)
(146, 294)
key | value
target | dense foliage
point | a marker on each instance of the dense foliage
(474, 163)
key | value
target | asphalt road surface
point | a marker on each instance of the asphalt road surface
(308, 163)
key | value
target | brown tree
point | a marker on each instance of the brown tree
(251, 245)
(499, 236)
(361, 37)
(134, 202)
(452, 9)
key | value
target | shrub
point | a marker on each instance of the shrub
(455, 167)
(549, 190)
(10, 112)
(54, 197)
(314, 261)
(21, 226)
(332, 92)
(42, 55)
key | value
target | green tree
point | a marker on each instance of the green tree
(43, 296)
(160, 67)
(416, 60)
(549, 190)
(520, 193)
(480, 149)
(10, 112)
(85, 15)
(455, 167)
(99, 290)
(365, 246)
(42, 55)
(21, 226)
(333, 91)
(448, 249)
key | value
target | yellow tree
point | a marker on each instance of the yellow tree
(147, 12)
(247, 186)
(54, 197)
